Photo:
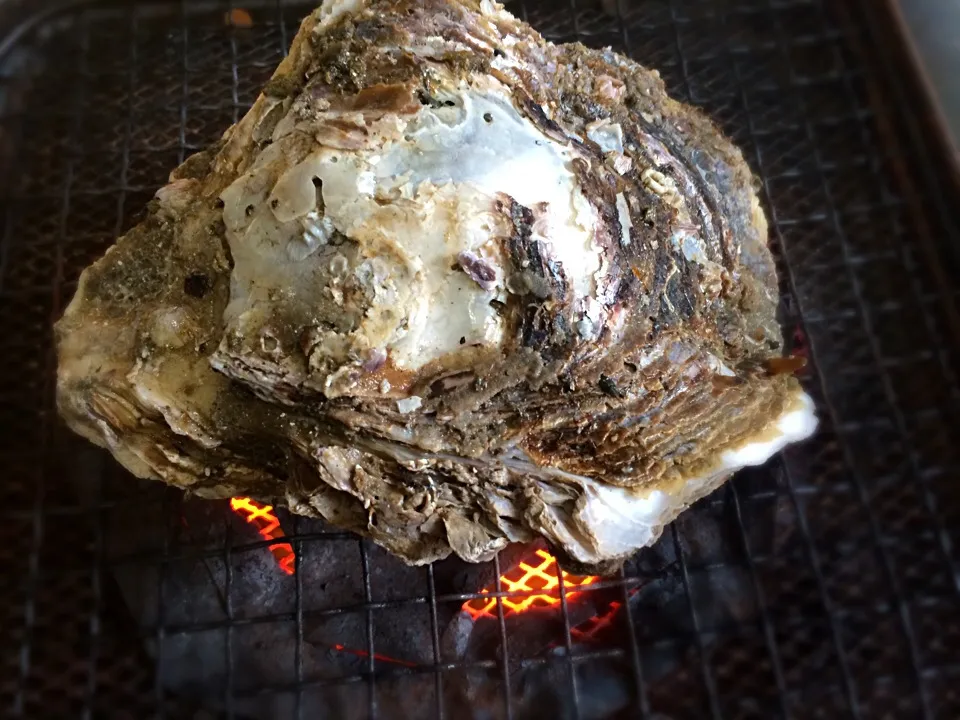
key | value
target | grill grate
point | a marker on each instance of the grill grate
(823, 585)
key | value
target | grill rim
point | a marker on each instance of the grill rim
(941, 162)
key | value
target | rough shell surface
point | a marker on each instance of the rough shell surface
(447, 285)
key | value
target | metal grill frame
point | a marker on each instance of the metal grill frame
(908, 184)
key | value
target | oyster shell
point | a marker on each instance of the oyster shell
(447, 285)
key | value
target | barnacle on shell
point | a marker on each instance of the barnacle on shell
(450, 286)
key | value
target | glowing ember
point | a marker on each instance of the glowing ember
(376, 656)
(589, 629)
(540, 574)
(268, 525)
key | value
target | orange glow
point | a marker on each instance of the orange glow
(268, 525)
(589, 629)
(540, 574)
(376, 656)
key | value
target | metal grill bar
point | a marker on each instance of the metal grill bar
(34, 516)
(298, 612)
(949, 375)
(97, 570)
(708, 679)
(568, 646)
(435, 637)
(229, 689)
(885, 363)
(504, 650)
(371, 659)
(174, 630)
(849, 685)
(227, 557)
(768, 634)
(161, 633)
(33, 569)
(848, 682)
(861, 491)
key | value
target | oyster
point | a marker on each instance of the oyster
(447, 285)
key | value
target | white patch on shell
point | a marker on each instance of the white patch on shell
(608, 135)
(177, 195)
(317, 231)
(663, 185)
(621, 520)
(482, 141)
(690, 246)
(646, 358)
(591, 323)
(171, 327)
(332, 10)
(610, 87)
(718, 367)
(420, 194)
(622, 164)
(409, 405)
(626, 224)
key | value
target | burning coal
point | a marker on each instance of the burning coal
(267, 524)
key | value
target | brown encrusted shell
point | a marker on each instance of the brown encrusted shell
(680, 366)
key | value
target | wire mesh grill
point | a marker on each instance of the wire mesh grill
(851, 611)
